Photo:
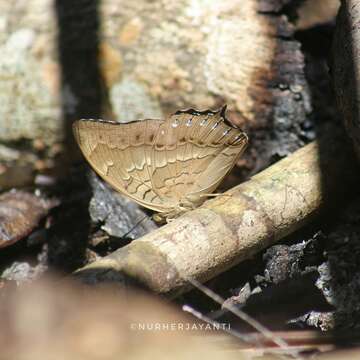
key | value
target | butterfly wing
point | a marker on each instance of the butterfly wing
(174, 156)
(121, 155)
(218, 165)
(193, 152)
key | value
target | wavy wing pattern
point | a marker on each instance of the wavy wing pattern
(159, 163)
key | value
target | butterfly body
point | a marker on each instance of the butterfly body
(165, 165)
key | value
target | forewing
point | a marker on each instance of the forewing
(121, 155)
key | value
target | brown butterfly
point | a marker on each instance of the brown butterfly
(169, 166)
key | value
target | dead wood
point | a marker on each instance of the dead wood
(346, 67)
(229, 229)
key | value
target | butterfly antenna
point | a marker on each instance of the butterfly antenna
(135, 226)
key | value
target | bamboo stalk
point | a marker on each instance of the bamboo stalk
(229, 229)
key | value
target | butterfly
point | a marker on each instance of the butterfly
(169, 166)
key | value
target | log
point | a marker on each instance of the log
(229, 229)
(345, 64)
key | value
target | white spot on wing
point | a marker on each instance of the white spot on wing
(203, 122)
(215, 125)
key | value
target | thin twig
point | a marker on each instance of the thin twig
(243, 316)
(135, 226)
(200, 316)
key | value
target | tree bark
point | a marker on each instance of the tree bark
(346, 67)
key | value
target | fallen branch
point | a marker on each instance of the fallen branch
(226, 230)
